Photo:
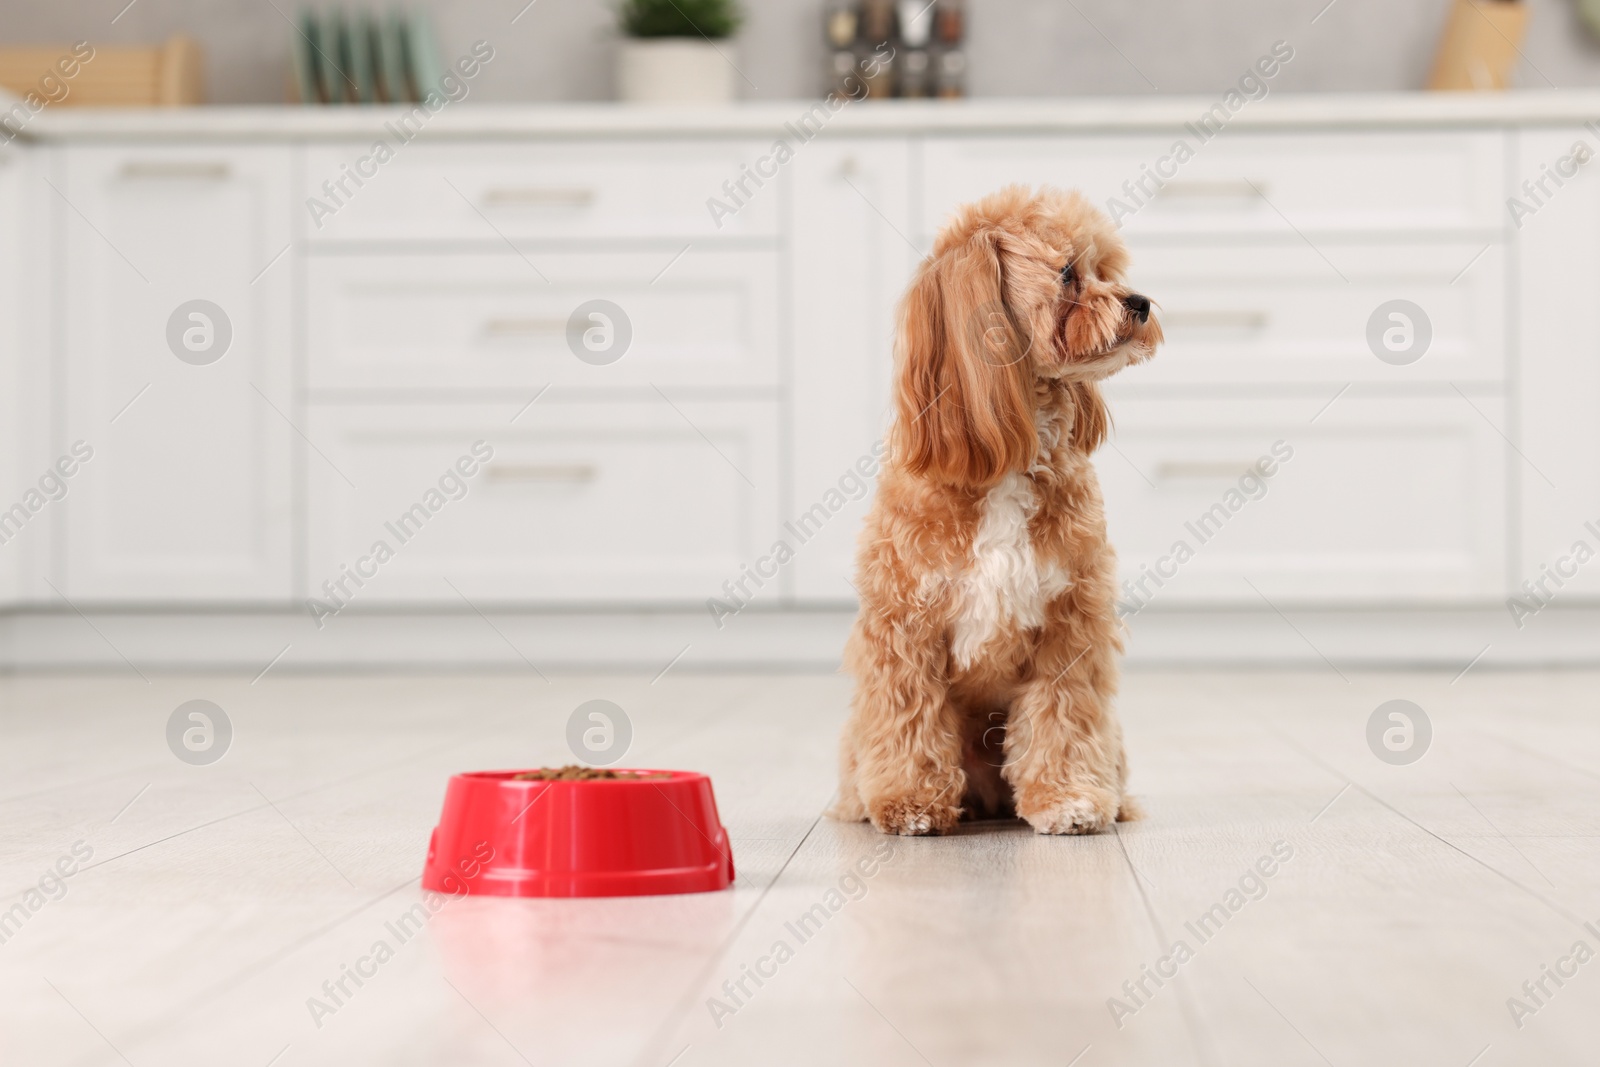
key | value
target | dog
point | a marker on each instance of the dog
(985, 649)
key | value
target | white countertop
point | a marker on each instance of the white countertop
(1105, 114)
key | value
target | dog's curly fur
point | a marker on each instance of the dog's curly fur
(985, 649)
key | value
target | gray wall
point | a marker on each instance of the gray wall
(561, 49)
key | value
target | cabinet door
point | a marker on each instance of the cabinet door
(30, 508)
(851, 214)
(1327, 181)
(561, 502)
(176, 297)
(1377, 499)
(1243, 314)
(1558, 476)
(573, 191)
(12, 470)
(449, 322)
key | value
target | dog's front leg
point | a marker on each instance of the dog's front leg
(1063, 745)
(903, 744)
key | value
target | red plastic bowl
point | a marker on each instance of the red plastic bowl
(498, 836)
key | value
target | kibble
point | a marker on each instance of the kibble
(574, 773)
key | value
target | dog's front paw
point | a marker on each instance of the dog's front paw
(912, 817)
(1089, 811)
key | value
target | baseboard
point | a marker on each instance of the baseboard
(539, 641)
(648, 641)
(1451, 639)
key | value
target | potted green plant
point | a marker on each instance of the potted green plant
(676, 51)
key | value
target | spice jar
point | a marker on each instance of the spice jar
(840, 25)
(950, 22)
(951, 79)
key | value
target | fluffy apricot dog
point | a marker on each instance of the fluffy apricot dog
(985, 651)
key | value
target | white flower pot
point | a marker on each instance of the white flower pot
(672, 70)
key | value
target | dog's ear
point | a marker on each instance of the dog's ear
(963, 412)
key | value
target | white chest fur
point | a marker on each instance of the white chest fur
(1004, 581)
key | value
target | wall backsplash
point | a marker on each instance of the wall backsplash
(561, 49)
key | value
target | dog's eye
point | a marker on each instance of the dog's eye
(1068, 275)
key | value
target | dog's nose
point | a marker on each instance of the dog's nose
(1139, 305)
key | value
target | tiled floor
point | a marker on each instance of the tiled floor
(1405, 906)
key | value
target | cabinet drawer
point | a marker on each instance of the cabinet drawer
(1282, 313)
(550, 190)
(629, 502)
(1384, 499)
(489, 321)
(1258, 183)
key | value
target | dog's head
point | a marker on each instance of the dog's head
(1021, 288)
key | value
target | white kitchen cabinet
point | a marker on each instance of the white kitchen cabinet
(851, 214)
(1270, 256)
(1557, 473)
(619, 502)
(433, 305)
(187, 497)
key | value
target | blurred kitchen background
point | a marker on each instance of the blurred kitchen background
(655, 345)
(563, 49)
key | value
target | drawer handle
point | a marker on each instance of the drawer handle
(522, 327)
(1172, 470)
(1214, 320)
(534, 196)
(1224, 190)
(568, 473)
(211, 172)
